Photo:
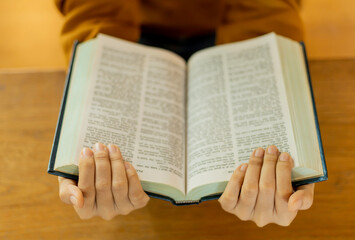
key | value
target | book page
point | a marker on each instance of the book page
(137, 102)
(75, 103)
(236, 103)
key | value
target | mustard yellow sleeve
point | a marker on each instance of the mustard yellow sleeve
(243, 19)
(84, 19)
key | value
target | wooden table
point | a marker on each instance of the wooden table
(30, 207)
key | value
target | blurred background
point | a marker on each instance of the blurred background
(30, 32)
(32, 74)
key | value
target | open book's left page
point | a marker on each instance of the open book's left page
(135, 98)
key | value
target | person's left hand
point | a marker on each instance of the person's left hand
(261, 191)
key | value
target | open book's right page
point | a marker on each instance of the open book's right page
(236, 102)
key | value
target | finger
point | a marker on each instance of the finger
(302, 199)
(250, 188)
(104, 198)
(119, 181)
(284, 189)
(136, 194)
(87, 177)
(283, 178)
(69, 193)
(266, 196)
(229, 198)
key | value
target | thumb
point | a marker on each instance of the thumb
(302, 199)
(69, 192)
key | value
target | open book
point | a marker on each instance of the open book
(185, 126)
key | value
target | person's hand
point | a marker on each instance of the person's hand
(108, 186)
(261, 191)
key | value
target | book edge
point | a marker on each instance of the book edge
(321, 150)
(53, 155)
(61, 174)
(308, 181)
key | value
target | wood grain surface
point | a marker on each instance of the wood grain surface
(30, 207)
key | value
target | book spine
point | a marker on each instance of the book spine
(187, 202)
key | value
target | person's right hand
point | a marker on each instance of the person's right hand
(108, 186)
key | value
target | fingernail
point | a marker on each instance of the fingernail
(298, 204)
(272, 150)
(284, 157)
(99, 147)
(112, 148)
(259, 152)
(73, 200)
(243, 167)
(87, 152)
